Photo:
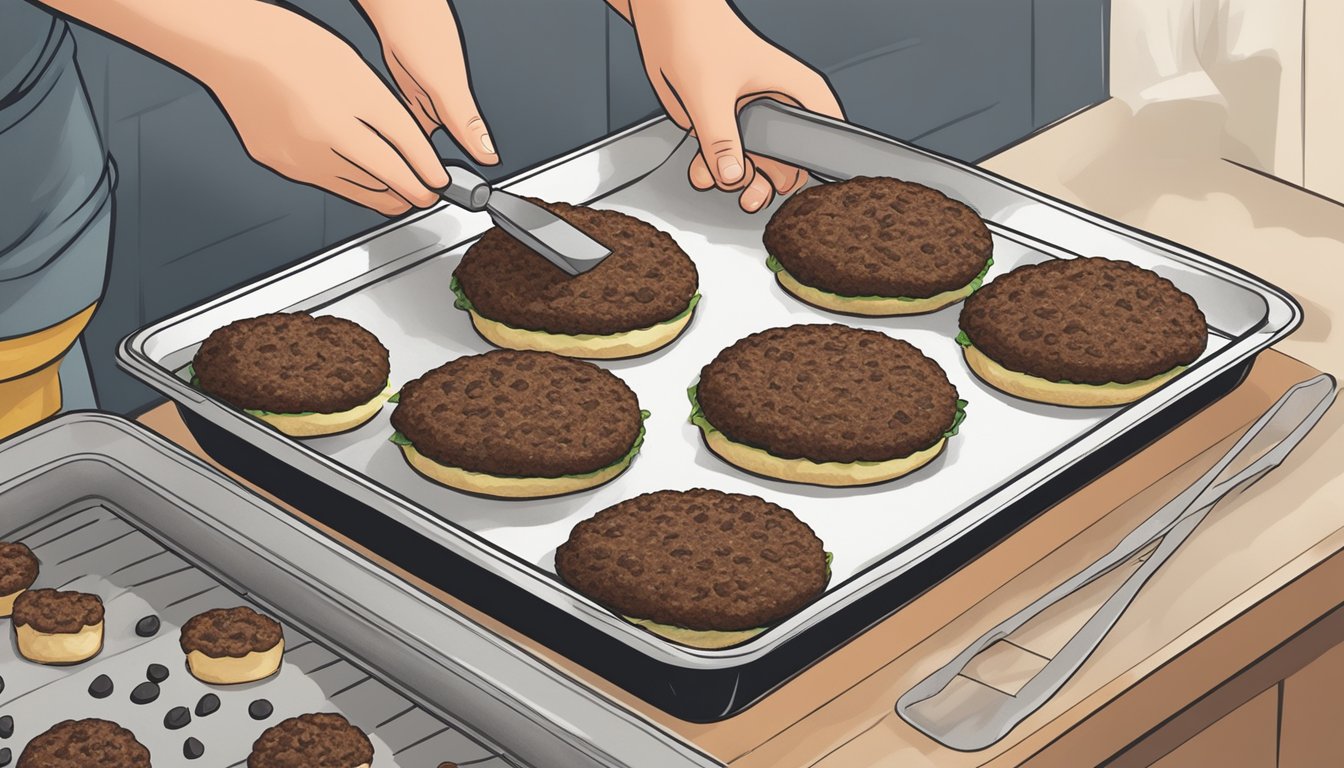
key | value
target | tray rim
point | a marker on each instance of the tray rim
(1282, 315)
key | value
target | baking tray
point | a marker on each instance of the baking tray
(112, 510)
(1012, 459)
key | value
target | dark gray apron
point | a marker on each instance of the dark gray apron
(55, 180)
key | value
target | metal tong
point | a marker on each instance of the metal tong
(984, 714)
(557, 240)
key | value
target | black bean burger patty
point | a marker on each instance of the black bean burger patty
(646, 280)
(697, 559)
(828, 393)
(519, 414)
(878, 237)
(1086, 321)
(293, 363)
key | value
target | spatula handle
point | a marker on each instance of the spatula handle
(465, 188)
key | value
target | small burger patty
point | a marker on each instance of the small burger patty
(878, 237)
(90, 743)
(519, 414)
(18, 567)
(232, 632)
(698, 559)
(828, 393)
(1086, 321)
(51, 611)
(322, 740)
(646, 280)
(293, 363)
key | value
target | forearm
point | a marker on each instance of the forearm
(199, 37)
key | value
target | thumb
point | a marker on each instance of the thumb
(715, 124)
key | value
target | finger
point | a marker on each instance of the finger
(385, 202)
(398, 129)
(757, 194)
(699, 174)
(423, 113)
(809, 89)
(784, 178)
(715, 122)
(377, 157)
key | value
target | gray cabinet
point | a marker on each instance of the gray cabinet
(195, 216)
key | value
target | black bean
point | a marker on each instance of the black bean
(101, 687)
(148, 626)
(156, 673)
(260, 709)
(144, 693)
(177, 717)
(6, 726)
(208, 705)
(192, 748)
(5, 756)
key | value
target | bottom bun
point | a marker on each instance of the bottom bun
(591, 346)
(709, 639)
(508, 487)
(1041, 390)
(318, 424)
(59, 647)
(873, 306)
(831, 473)
(7, 602)
(230, 670)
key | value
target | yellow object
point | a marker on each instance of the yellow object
(831, 473)
(508, 487)
(874, 306)
(7, 603)
(59, 647)
(1060, 393)
(591, 346)
(318, 424)
(229, 670)
(709, 639)
(30, 384)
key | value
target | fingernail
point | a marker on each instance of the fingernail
(487, 144)
(752, 200)
(729, 169)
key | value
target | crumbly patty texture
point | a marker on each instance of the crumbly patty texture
(647, 279)
(828, 393)
(698, 559)
(519, 414)
(878, 237)
(90, 743)
(322, 740)
(293, 363)
(18, 567)
(1086, 321)
(232, 632)
(52, 611)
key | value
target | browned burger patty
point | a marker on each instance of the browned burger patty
(646, 280)
(52, 611)
(18, 567)
(519, 414)
(90, 743)
(1085, 321)
(878, 237)
(293, 363)
(827, 393)
(232, 632)
(698, 559)
(322, 740)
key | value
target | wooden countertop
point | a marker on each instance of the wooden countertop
(1263, 566)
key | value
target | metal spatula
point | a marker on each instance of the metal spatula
(549, 235)
(982, 715)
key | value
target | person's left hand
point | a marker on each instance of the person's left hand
(705, 64)
(423, 50)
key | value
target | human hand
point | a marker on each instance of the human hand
(422, 46)
(307, 106)
(705, 64)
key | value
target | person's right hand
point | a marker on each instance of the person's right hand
(307, 106)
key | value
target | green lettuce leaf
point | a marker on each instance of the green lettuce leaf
(462, 301)
(957, 419)
(399, 439)
(395, 398)
(774, 264)
(963, 339)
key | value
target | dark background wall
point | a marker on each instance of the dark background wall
(195, 216)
